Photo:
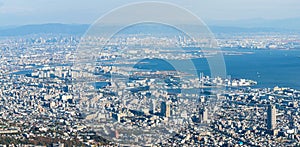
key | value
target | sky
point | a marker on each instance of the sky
(22, 12)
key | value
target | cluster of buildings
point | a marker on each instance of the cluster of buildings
(43, 97)
(248, 117)
(36, 102)
(259, 41)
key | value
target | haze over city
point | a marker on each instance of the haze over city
(18, 12)
(149, 73)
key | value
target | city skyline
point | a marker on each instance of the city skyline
(155, 73)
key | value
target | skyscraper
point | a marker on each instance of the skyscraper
(153, 106)
(271, 117)
(203, 115)
(165, 109)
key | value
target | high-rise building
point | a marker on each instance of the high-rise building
(153, 106)
(203, 115)
(165, 109)
(271, 117)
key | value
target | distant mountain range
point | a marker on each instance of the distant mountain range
(283, 24)
(51, 28)
(254, 25)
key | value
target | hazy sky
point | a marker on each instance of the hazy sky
(20, 12)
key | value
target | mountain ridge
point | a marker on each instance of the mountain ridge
(80, 29)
